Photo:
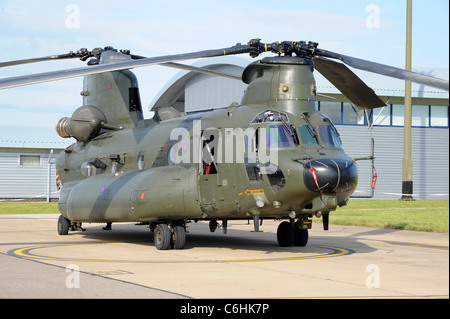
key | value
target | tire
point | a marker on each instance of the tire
(285, 234)
(63, 225)
(178, 237)
(162, 237)
(300, 236)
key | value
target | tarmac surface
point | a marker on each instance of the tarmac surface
(344, 262)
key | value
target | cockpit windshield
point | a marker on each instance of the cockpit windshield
(279, 136)
(316, 135)
(308, 135)
(329, 136)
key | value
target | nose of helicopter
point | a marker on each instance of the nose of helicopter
(331, 176)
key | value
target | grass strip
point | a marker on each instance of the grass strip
(420, 215)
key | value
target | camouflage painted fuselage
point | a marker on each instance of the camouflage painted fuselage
(212, 164)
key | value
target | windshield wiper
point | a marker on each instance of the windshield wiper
(288, 128)
(309, 126)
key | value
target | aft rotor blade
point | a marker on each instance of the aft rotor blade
(192, 68)
(387, 70)
(348, 83)
(41, 59)
(200, 70)
(71, 73)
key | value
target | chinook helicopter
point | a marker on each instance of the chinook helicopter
(273, 156)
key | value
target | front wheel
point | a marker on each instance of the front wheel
(285, 234)
(300, 236)
(63, 225)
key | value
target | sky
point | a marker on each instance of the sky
(373, 30)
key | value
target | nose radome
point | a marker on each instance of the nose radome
(331, 176)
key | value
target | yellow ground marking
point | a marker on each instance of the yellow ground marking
(25, 252)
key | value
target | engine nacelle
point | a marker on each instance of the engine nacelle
(85, 123)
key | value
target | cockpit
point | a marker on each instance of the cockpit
(274, 131)
(281, 133)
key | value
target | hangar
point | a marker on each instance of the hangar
(27, 162)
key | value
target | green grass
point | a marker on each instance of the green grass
(422, 215)
(28, 208)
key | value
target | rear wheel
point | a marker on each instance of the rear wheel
(178, 237)
(162, 237)
(63, 225)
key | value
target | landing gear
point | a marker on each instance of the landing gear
(162, 237)
(63, 225)
(300, 237)
(285, 234)
(178, 237)
(169, 237)
(292, 234)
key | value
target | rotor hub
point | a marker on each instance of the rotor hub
(288, 48)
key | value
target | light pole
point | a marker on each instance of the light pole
(407, 181)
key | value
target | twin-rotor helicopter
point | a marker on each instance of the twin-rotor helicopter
(271, 156)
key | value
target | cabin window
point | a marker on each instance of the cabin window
(114, 166)
(141, 161)
(252, 168)
(115, 158)
(276, 179)
(256, 170)
(134, 100)
(87, 169)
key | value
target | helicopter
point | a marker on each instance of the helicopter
(271, 156)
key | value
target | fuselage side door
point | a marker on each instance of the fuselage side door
(207, 170)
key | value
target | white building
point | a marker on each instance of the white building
(27, 162)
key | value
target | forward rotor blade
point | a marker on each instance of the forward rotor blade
(387, 70)
(348, 83)
(71, 73)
